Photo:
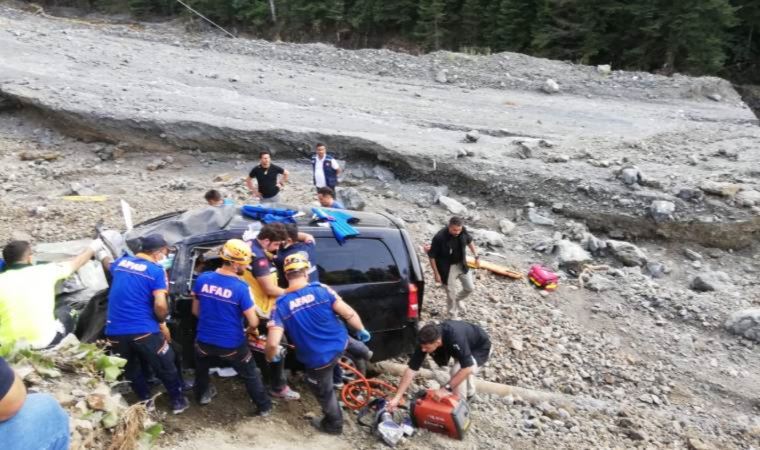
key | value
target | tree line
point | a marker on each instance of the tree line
(689, 36)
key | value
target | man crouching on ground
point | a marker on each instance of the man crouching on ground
(467, 343)
(308, 313)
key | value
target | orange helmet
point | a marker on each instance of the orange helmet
(296, 261)
(236, 251)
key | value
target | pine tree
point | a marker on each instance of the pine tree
(517, 20)
(471, 16)
(680, 35)
(430, 30)
(745, 43)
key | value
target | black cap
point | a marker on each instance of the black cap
(152, 242)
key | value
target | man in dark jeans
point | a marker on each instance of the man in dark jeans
(448, 258)
(136, 327)
(220, 301)
(467, 343)
(268, 180)
(307, 312)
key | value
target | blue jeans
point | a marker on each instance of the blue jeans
(40, 424)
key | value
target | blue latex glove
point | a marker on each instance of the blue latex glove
(363, 335)
(279, 355)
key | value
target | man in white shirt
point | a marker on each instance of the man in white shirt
(325, 168)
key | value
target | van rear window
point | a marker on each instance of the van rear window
(356, 261)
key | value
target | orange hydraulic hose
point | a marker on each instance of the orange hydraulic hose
(357, 393)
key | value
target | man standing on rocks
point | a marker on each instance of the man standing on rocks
(448, 258)
(325, 167)
(467, 343)
(270, 179)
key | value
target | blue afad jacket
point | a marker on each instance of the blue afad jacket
(331, 175)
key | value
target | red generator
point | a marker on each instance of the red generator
(450, 415)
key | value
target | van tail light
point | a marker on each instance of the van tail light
(413, 308)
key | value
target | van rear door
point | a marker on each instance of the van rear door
(365, 273)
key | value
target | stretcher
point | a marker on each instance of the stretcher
(495, 268)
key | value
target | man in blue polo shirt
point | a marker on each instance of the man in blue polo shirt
(220, 301)
(136, 322)
(307, 312)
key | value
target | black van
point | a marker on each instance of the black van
(377, 272)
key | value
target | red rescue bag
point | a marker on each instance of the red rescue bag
(543, 277)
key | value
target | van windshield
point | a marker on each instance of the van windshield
(357, 261)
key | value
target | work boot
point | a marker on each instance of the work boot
(319, 424)
(208, 395)
(286, 394)
(264, 413)
(180, 404)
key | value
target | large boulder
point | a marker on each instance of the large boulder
(571, 255)
(627, 253)
(710, 281)
(351, 199)
(593, 244)
(538, 219)
(630, 175)
(507, 226)
(599, 283)
(492, 238)
(745, 323)
(662, 210)
(453, 206)
(747, 198)
(720, 188)
(383, 174)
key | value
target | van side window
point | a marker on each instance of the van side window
(357, 261)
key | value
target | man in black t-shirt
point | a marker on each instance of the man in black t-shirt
(268, 179)
(467, 343)
(448, 259)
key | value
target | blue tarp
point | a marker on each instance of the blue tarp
(268, 215)
(339, 223)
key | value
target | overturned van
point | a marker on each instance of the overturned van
(377, 272)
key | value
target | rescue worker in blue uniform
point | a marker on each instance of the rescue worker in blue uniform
(221, 299)
(136, 321)
(325, 168)
(307, 312)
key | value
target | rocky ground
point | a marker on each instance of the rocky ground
(602, 145)
(636, 347)
(643, 358)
